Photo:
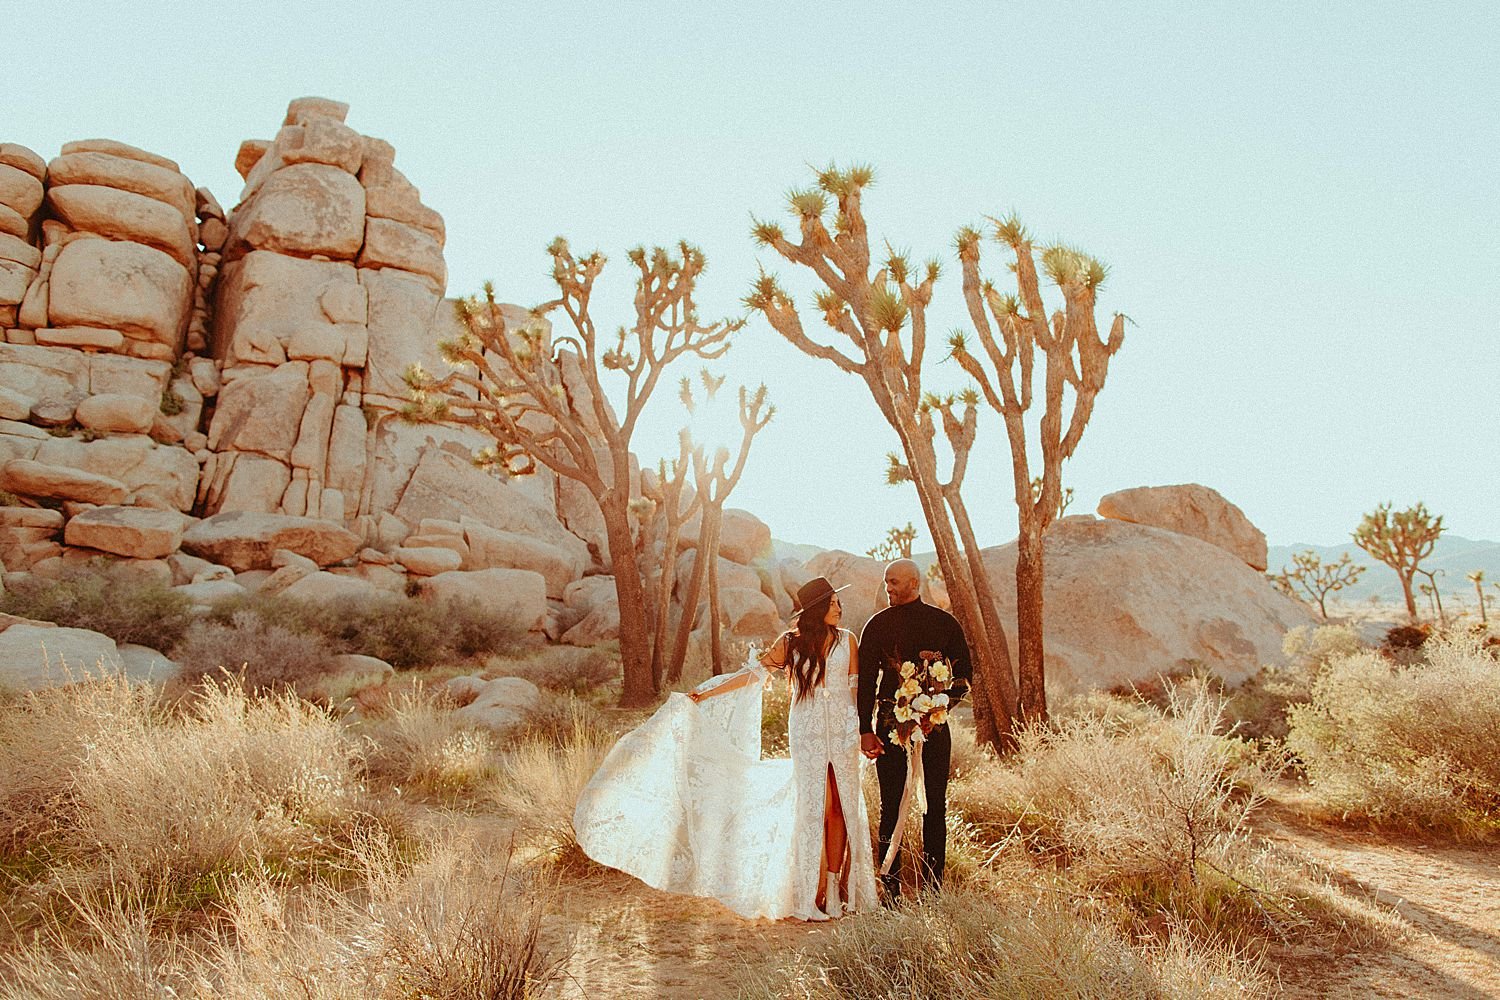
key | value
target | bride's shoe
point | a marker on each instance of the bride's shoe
(833, 907)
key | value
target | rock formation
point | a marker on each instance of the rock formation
(1126, 602)
(1194, 510)
(214, 396)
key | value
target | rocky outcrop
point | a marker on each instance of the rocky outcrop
(1193, 510)
(1127, 602)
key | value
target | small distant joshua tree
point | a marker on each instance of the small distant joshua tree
(1430, 588)
(897, 544)
(1477, 579)
(1315, 578)
(1400, 539)
(510, 385)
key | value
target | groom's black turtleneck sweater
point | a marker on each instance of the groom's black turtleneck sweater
(901, 633)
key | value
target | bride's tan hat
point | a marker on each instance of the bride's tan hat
(815, 591)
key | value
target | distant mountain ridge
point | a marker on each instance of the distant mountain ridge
(1453, 558)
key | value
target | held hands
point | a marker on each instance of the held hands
(869, 745)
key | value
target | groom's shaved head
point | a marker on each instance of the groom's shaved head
(903, 581)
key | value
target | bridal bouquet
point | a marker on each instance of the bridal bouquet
(920, 705)
(922, 698)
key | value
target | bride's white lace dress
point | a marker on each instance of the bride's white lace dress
(685, 803)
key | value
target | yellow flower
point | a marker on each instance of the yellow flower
(908, 669)
(909, 688)
(940, 671)
(904, 714)
(938, 717)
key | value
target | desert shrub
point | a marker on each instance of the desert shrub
(267, 657)
(405, 632)
(1403, 643)
(120, 795)
(1258, 707)
(419, 745)
(560, 720)
(1409, 745)
(103, 598)
(1154, 815)
(970, 945)
(573, 669)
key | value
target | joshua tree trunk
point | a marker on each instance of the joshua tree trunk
(635, 650)
(689, 604)
(1029, 620)
(715, 626)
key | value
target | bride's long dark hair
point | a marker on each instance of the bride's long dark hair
(807, 648)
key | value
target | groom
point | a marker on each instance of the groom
(902, 632)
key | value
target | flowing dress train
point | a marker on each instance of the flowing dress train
(685, 803)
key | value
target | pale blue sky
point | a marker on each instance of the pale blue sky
(1297, 201)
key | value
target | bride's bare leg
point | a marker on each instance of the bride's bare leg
(835, 837)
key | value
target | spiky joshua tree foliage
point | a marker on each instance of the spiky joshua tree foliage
(515, 387)
(1309, 575)
(1401, 539)
(879, 320)
(1010, 329)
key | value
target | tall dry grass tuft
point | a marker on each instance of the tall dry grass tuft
(418, 745)
(1408, 745)
(1150, 813)
(541, 778)
(458, 924)
(972, 945)
(118, 794)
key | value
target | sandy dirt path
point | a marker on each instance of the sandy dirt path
(1447, 895)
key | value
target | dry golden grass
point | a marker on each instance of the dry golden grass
(540, 780)
(965, 945)
(112, 791)
(417, 745)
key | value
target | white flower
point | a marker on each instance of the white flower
(940, 700)
(908, 669)
(922, 703)
(940, 671)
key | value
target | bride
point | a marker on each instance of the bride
(684, 802)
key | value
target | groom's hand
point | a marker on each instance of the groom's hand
(869, 745)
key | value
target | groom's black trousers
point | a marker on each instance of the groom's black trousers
(890, 767)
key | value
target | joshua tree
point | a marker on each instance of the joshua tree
(884, 318)
(1316, 578)
(536, 416)
(1010, 329)
(674, 509)
(897, 544)
(1400, 539)
(1477, 579)
(1430, 588)
(713, 486)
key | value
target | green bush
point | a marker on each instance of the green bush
(1258, 707)
(104, 598)
(1414, 745)
(405, 632)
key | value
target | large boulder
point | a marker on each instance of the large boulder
(262, 413)
(129, 287)
(133, 532)
(1127, 602)
(1190, 509)
(731, 574)
(322, 588)
(153, 475)
(301, 210)
(749, 613)
(266, 300)
(560, 559)
(865, 578)
(593, 611)
(59, 482)
(501, 705)
(245, 540)
(124, 215)
(347, 675)
(33, 657)
(514, 599)
(743, 537)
